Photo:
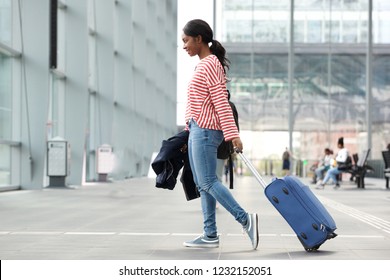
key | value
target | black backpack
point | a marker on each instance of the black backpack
(225, 149)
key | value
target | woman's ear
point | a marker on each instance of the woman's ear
(198, 39)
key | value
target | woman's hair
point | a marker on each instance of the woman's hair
(198, 27)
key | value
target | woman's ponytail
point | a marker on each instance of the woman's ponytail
(219, 51)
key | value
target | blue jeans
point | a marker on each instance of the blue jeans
(220, 169)
(320, 171)
(331, 174)
(202, 152)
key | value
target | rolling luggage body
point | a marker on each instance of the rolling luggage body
(301, 209)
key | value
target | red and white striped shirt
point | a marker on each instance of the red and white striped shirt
(207, 99)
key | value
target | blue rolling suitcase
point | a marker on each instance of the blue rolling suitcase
(302, 210)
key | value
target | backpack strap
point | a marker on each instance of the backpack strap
(230, 162)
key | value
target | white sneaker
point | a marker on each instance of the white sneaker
(203, 242)
(252, 229)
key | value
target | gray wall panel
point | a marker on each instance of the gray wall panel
(33, 121)
(115, 83)
(76, 95)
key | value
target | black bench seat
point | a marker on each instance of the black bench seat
(386, 159)
(360, 168)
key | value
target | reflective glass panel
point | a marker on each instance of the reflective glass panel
(5, 21)
(5, 97)
(5, 165)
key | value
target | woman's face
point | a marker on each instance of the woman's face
(191, 44)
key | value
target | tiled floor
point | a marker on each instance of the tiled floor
(133, 220)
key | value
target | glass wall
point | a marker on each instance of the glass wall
(83, 71)
(326, 96)
(5, 97)
(5, 93)
(5, 21)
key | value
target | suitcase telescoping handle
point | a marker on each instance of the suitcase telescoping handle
(251, 167)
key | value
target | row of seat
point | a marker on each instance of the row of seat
(386, 158)
(359, 168)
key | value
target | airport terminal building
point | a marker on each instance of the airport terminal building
(83, 79)
(88, 88)
(316, 70)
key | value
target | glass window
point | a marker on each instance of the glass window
(299, 31)
(271, 5)
(239, 31)
(309, 5)
(329, 83)
(240, 65)
(5, 98)
(233, 5)
(271, 21)
(350, 32)
(311, 74)
(363, 31)
(381, 112)
(381, 21)
(5, 165)
(314, 31)
(332, 31)
(348, 75)
(381, 83)
(5, 21)
(5, 118)
(270, 31)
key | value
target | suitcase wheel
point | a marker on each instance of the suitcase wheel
(307, 249)
(313, 249)
(332, 235)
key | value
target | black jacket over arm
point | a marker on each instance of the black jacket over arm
(172, 157)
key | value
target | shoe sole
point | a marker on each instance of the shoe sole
(257, 232)
(254, 217)
(204, 244)
(185, 244)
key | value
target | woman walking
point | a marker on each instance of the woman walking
(209, 119)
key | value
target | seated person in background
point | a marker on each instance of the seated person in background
(341, 159)
(323, 165)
